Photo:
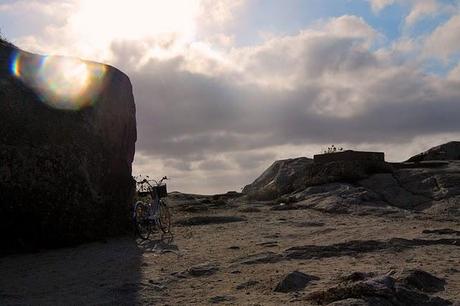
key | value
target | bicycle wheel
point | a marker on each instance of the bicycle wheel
(141, 222)
(164, 218)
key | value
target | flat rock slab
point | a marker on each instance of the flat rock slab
(294, 281)
(265, 257)
(206, 220)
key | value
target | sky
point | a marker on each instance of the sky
(223, 88)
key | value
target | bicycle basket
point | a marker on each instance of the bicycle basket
(160, 191)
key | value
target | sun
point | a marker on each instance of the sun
(101, 22)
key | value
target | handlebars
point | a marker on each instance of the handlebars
(157, 183)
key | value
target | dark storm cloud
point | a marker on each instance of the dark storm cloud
(184, 114)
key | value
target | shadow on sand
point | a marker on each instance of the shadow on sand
(92, 274)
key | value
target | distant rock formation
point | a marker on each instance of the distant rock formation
(293, 175)
(447, 151)
(363, 186)
(65, 174)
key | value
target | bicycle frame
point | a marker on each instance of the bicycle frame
(154, 204)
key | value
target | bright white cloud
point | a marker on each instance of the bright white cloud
(444, 41)
(88, 28)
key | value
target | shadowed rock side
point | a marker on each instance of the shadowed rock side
(447, 151)
(65, 175)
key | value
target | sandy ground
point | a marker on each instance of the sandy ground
(126, 271)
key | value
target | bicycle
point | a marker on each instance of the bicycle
(153, 214)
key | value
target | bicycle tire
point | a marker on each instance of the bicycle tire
(164, 218)
(141, 223)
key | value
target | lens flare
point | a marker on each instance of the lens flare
(60, 82)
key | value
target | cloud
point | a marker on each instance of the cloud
(286, 61)
(378, 5)
(443, 41)
(316, 88)
(422, 8)
(418, 9)
(212, 115)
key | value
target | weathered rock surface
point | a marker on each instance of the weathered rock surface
(294, 281)
(294, 175)
(65, 175)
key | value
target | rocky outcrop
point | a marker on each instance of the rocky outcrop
(371, 289)
(282, 177)
(294, 175)
(447, 151)
(65, 175)
(360, 186)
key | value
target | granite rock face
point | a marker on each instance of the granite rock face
(65, 175)
(282, 177)
(294, 175)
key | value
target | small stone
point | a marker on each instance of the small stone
(203, 269)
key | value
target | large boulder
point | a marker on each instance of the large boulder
(65, 156)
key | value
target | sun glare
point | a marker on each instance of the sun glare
(60, 82)
(65, 77)
(99, 23)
